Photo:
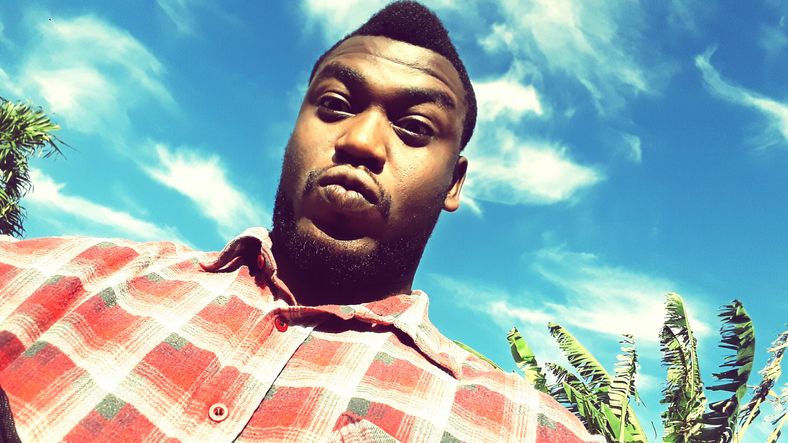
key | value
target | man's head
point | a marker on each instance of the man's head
(410, 22)
(374, 157)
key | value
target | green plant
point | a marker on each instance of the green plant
(600, 401)
(25, 132)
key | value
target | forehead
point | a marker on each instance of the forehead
(382, 56)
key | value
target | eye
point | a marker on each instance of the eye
(333, 103)
(414, 131)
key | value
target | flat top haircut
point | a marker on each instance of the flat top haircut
(413, 23)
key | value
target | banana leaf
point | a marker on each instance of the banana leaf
(683, 394)
(477, 353)
(738, 334)
(769, 375)
(587, 366)
(626, 426)
(578, 398)
(526, 360)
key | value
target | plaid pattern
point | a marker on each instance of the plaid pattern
(111, 340)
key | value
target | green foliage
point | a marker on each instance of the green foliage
(623, 385)
(599, 400)
(738, 335)
(602, 402)
(687, 418)
(526, 361)
(763, 392)
(476, 353)
(25, 132)
(683, 393)
(780, 417)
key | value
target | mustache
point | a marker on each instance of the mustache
(383, 205)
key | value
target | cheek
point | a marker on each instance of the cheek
(304, 152)
(422, 184)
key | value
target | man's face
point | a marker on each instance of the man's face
(372, 160)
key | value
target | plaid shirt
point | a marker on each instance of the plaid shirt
(111, 340)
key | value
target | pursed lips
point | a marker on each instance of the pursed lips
(349, 188)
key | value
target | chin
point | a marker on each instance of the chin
(337, 242)
(344, 264)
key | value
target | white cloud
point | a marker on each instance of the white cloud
(204, 180)
(775, 112)
(607, 299)
(592, 297)
(91, 73)
(47, 194)
(519, 172)
(179, 13)
(594, 42)
(506, 97)
(635, 153)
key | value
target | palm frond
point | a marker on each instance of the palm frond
(769, 375)
(683, 393)
(25, 132)
(587, 366)
(779, 417)
(577, 397)
(621, 389)
(526, 360)
(603, 410)
(738, 334)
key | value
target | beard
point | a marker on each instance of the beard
(337, 266)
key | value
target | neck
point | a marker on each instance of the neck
(310, 291)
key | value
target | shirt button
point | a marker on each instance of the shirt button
(260, 262)
(281, 324)
(218, 412)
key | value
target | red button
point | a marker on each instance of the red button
(281, 324)
(260, 262)
(218, 412)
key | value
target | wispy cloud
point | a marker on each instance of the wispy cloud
(204, 180)
(592, 42)
(634, 151)
(589, 295)
(91, 73)
(48, 196)
(525, 172)
(775, 112)
(178, 11)
(774, 40)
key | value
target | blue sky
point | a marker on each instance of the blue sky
(624, 150)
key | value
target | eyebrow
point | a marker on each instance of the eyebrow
(354, 78)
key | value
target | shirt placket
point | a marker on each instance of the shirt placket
(228, 401)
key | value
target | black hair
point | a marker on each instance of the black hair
(413, 23)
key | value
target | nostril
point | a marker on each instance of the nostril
(372, 164)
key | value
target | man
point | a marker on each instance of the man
(309, 333)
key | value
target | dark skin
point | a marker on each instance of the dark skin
(373, 159)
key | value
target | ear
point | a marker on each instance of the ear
(452, 201)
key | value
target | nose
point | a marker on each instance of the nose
(364, 140)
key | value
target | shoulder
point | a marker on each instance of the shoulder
(532, 412)
(69, 248)
(26, 265)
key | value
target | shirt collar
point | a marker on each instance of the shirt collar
(406, 312)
